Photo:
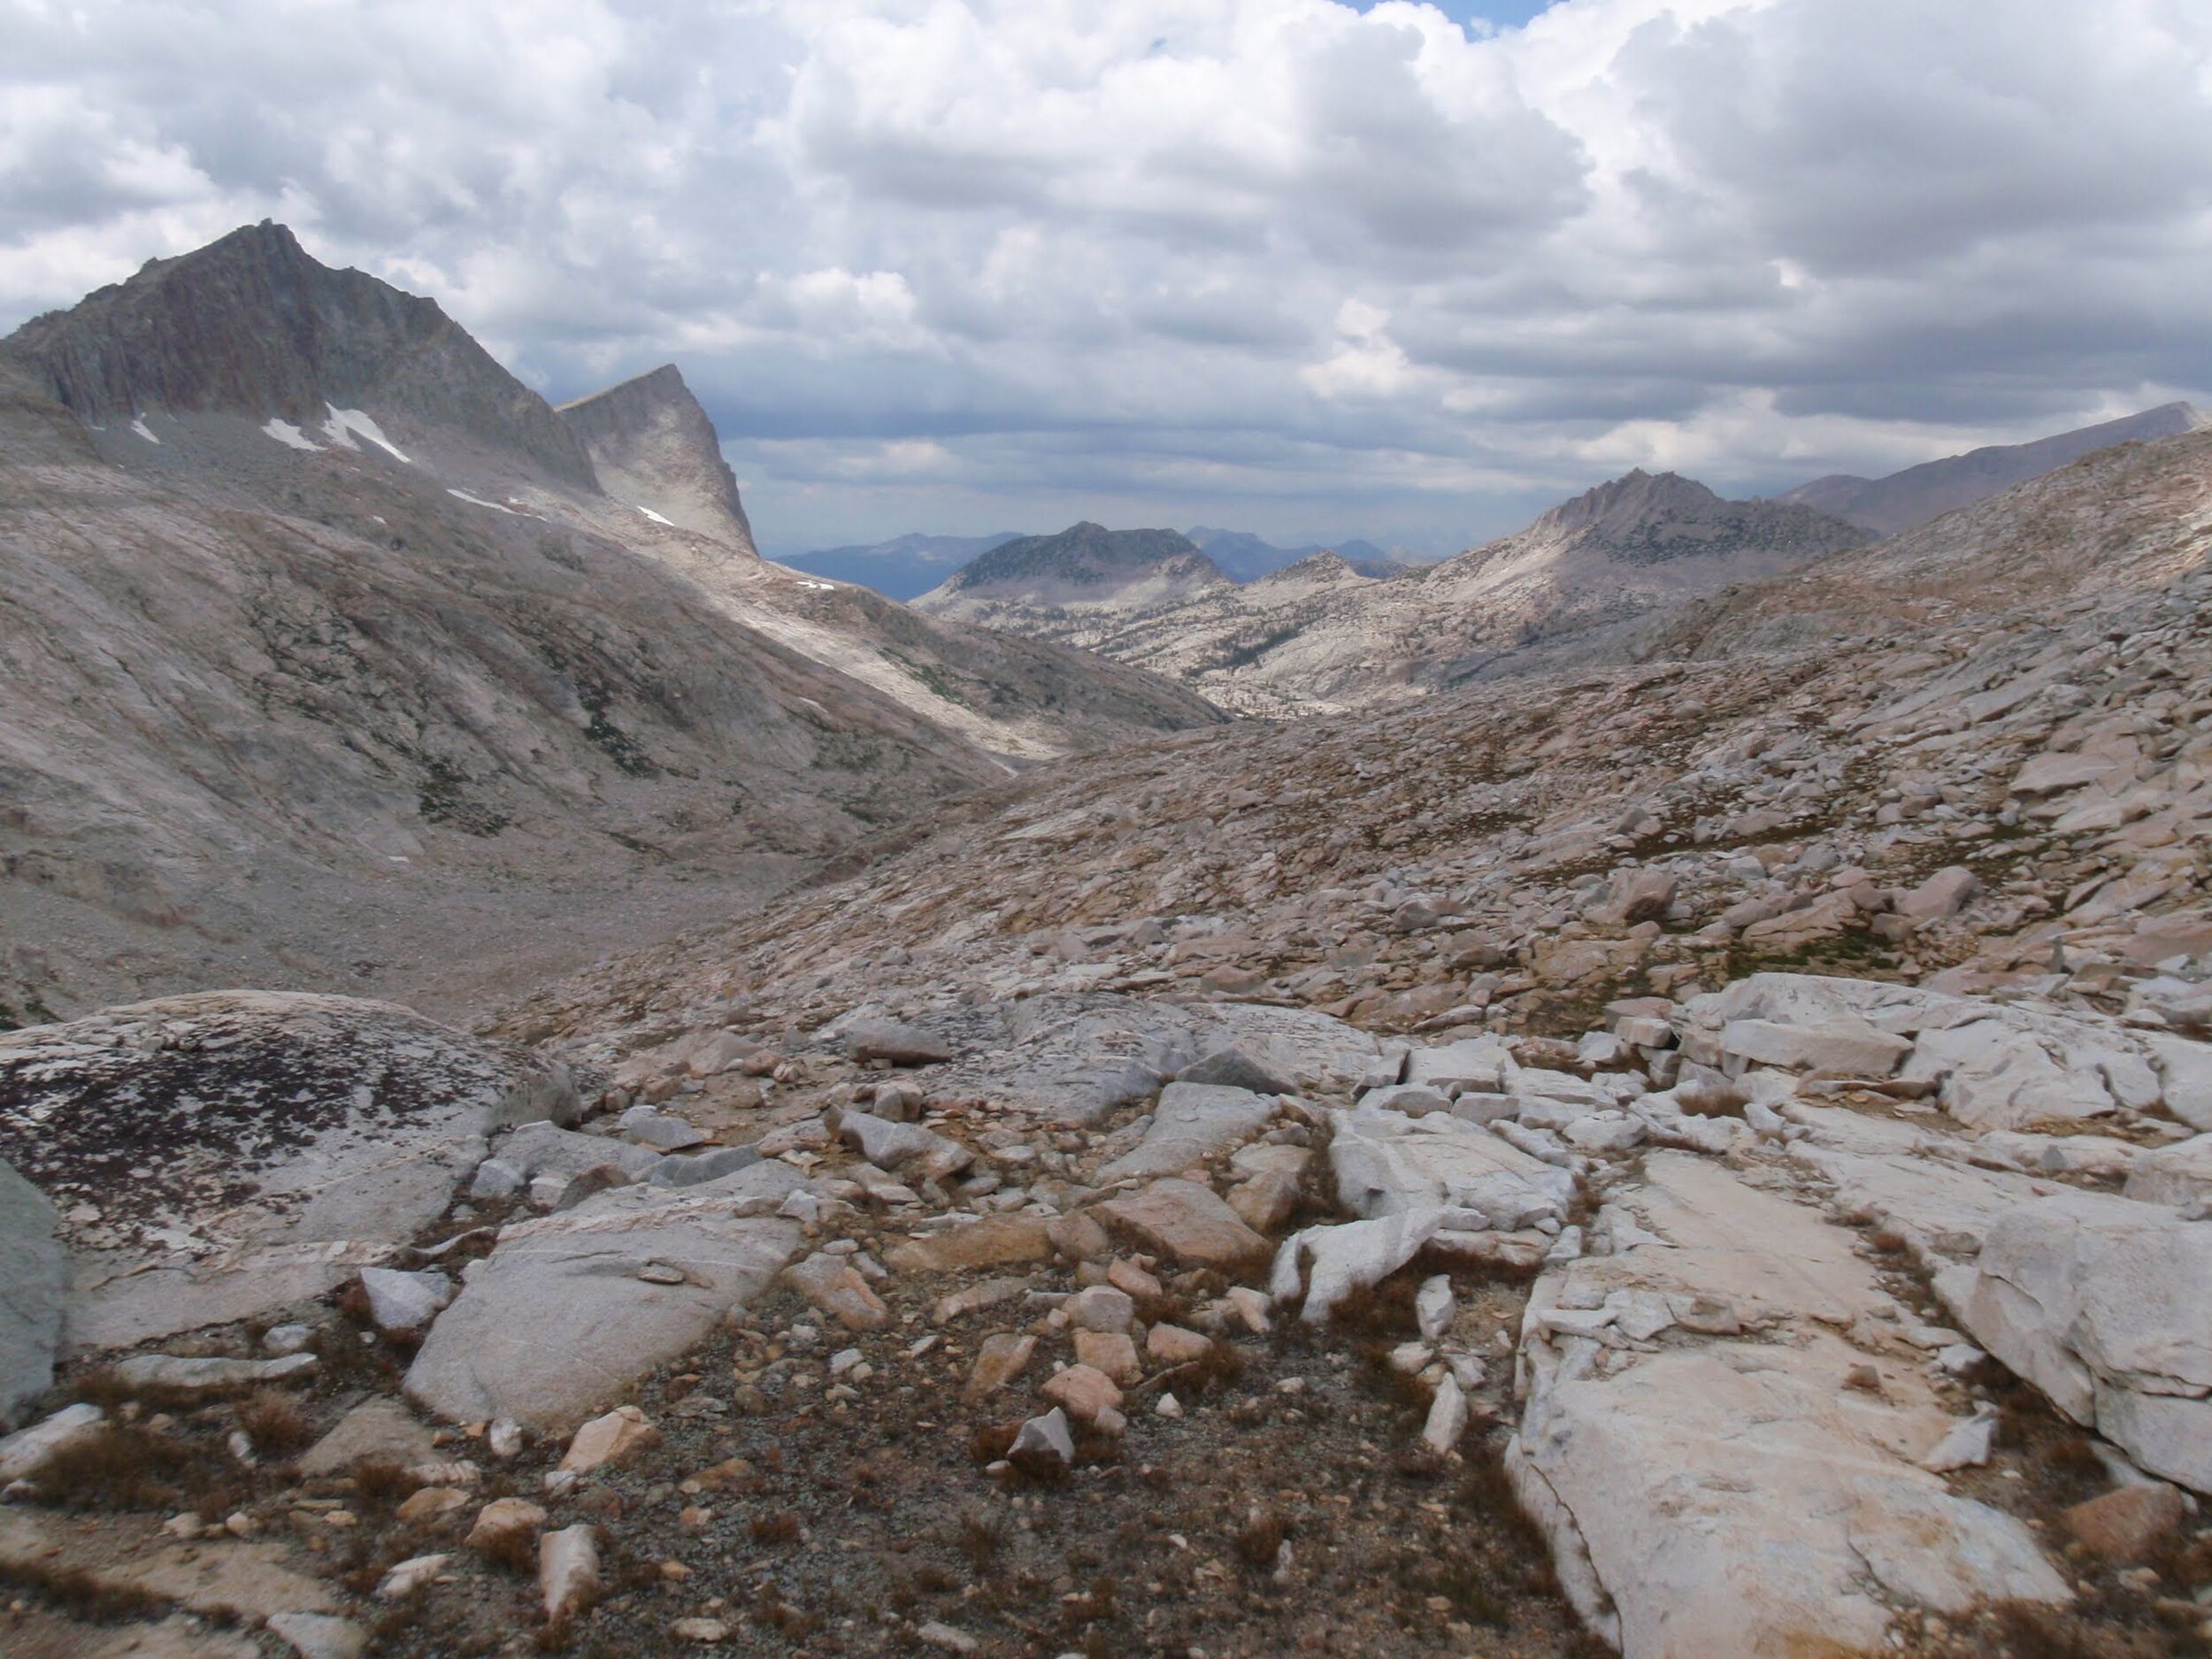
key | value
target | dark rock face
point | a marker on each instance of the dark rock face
(188, 1108)
(1086, 555)
(31, 1288)
(653, 446)
(252, 326)
(1640, 519)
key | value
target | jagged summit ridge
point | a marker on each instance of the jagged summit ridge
(253, 325)
(1646, 518)
(654, 446)
(1904, 500)
(1627, 500)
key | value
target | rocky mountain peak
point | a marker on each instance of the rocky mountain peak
(1646, 518)
(1621, 505)
(253, 325)
(654, 446)
(1088, 554)
(1325, 566)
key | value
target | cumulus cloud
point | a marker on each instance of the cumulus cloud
(1319, 268)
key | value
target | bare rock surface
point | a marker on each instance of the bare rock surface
(1194, 1124)
(2105, 1304)
(560, 1316)
(1732, 1495)
(33, 1281)
(218, 1155)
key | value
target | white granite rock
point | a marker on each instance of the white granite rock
(556, 1320)
(2105, 1304)
(1194, 1124)
(1730, 1496)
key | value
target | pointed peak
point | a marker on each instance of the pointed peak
(252, 325)
(665, 384)
(1327, 563)
(655, 447)
(1636, 494)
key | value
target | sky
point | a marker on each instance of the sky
(1313, 270)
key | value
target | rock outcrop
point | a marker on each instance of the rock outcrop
(571, 1308)
(652, 446)
(33, 1284)
(2105, 1304)
(252, 326)
(222, 1155)
(1711, 1479)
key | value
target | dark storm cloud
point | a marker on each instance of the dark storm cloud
(1285, 263)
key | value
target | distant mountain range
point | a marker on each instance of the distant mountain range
(907, 566)
(1243, 558)
(1321, 634)
(1084, 567)
(1903, 501)
(904, 566)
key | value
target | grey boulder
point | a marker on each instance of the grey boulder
(1194, 1124)
(2105, 1304)
(219, 1156)
(32, 1286)
(558, 1320)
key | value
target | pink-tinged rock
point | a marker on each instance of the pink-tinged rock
(1110, 1353)
(1001, 1359)
(1083, 1392)
(613, 1438)
(996, 1241)
(1942, 894)
(1188, 1223)
(1173, 1345)
(835, 1286)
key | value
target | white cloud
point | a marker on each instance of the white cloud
(1282, 262)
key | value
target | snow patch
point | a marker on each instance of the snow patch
(478, 501)
(820, 587)
(139, 426)
(346, 424)
(655, 517)
(290, 435)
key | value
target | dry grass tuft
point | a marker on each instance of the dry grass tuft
(1262, 1539)
(2033, 1630)
(127, 1468)
(79, 1593)
(276, 1423)
(992, 1441)
(778, 1527)
(381, 1483)
(512, 1551)
(1707, 1099)
(978, 1537)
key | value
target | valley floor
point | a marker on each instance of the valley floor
(1694, 1159)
